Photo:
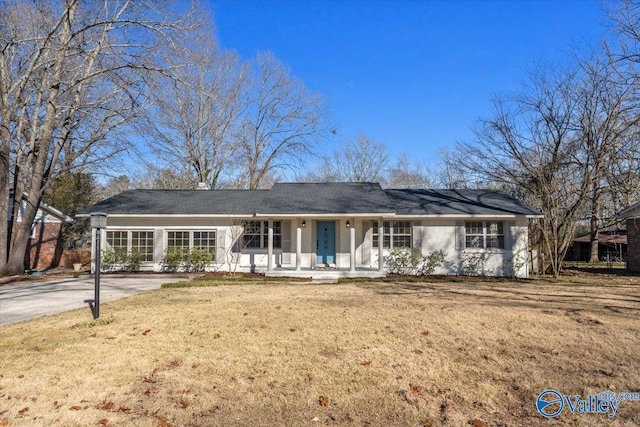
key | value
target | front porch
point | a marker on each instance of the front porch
(329, 248)
(326, 273)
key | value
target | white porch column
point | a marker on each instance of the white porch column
(298, 245)
(380, 244)
(352, 244)
(270, 246)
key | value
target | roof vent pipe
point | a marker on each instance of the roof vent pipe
(202, 186)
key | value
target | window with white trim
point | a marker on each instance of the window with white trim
(186, 240)
(142, 243)
(256, 234)
(205, 240)
(127, 242)
(396, 234)
(484, 234)
(117, 241)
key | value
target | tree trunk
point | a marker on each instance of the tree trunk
(594, 255)
(5, 206)
(594, 231)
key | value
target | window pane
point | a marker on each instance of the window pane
(495, 228)
(178, 239)
(387, 227)
(205, 240)
(277, 234)
(251, 237)
(387, 234)
(401, 234)
(495, 234)
(402, 227)
(474, 234)
(495, 242)
(401, 241)
(142, 243)
(473, 242)
(116, 241)
(374, 238)
(473, 227)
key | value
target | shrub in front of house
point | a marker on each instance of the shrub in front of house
(180, 259)
(120, 260)
(411, 261)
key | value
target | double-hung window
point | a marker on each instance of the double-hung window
(127, 242)
(396, 234)
(484, 234)
(256, 234)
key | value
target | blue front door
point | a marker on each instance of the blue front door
(326, 242)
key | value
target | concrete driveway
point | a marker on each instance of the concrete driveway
(27, 300)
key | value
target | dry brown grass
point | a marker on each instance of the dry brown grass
(383, 353)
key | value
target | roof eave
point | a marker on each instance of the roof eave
(137, 215)
(327, 215)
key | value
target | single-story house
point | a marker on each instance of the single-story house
(612, 245)
(632, 215)
(45, 245)
(322, 229)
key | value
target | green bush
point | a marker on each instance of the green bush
(173, 259)
(199, 259)
(181, 259)
(120, 260)
(411, 261)
(403, 260)
(113, 260)
(133, 261)
(431, 262)
(473, 263)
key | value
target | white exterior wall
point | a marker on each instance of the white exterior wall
(434, 234)
(429, 235)
(444, 234)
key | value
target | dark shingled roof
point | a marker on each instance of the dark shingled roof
(326, 198)
(312, 198)
(181, 202)
(456, 202)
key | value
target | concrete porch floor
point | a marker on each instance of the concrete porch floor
(325, 273)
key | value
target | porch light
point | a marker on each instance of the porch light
(98, 221)
(304, 223)
(348, 224)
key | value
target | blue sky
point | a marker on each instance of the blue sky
(412, 74)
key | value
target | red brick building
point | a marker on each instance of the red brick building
(45, 245)
(632, 214)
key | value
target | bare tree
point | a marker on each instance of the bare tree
(623, 175)
(450, 172)
(530, 144)
(607, 115)
(282, 122)
(197, 110)
(71, 75)
(407, 174)
(361, 159)
(625, 22)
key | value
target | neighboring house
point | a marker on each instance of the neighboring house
(612, 246)
(322, 229)
(632, 215)
(45, 245)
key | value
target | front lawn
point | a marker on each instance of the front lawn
(449, 353)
